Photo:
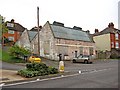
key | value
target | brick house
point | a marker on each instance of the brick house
(56, 39)
(108, 39)
(14, 31)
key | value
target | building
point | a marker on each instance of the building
(14, 31)
(108, 39)
(26, 38)
(119, 15)
(56, 39)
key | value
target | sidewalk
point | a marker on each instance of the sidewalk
(9, 76)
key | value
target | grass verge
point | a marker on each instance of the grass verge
(8, 58)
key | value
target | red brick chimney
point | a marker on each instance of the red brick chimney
(111, 25)
(96, 30)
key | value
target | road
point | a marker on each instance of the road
(10, 66)
(101, 74)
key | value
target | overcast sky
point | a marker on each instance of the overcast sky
(87, 14)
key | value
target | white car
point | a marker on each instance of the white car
(83, 58)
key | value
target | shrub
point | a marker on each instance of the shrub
(52, 70)
(114, 56)
(37, 69)
(17, 51)
(27, 73)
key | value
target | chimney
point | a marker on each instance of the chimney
(88, 32)
(12, 21)
(58, 24)
(77, 28)
(111, 25)
(96, 30)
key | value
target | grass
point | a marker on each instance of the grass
(8, 58)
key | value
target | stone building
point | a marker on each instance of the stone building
(56, 39)
(26, 38)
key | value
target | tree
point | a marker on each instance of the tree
(3, 29)
(18, 51)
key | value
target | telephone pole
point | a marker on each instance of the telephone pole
(38, 30)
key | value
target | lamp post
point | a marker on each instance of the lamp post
(38, 30)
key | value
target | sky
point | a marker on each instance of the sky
(87, 14)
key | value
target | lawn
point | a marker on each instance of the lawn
(4, 56)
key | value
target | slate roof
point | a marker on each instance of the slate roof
(17, 27)
(106, 31)
(69, 33)
(32, 34)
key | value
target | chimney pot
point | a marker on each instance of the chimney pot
(96, 30)
(12, 21)
(111, 25)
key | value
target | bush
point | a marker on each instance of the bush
(27, 73)
(37, 69)
(114, 56)
(52, 70)
(17, 51)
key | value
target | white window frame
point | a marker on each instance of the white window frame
(11, 38)
(116, 44)
(11, 32)
(116, 36)
(112, 44)
(10, 25)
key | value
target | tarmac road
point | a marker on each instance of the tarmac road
(101, 74)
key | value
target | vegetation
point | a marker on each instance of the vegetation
(37, 69)
(6, 57)
(18, 52)
(4, 28)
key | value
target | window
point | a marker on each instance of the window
(117, 45)
(116, 36)
(10, 25)
(10, 32)
(112, 44)
(81, 50)
(91, 50)
(47, 47)
(11, 38)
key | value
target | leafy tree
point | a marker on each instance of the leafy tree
(18, 51)
(4, 28)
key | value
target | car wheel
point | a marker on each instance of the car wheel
(86, 62)
(74, 61)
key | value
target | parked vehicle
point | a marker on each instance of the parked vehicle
(83, 58)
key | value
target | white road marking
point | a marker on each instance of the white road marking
(62, 76)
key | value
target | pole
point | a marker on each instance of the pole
(38, 30)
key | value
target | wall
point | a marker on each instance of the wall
(47, 46)
(102, 42)
(24, 40)
(68, 48)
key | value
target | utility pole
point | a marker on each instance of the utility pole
(38, 30)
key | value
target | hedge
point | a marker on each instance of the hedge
(37, 69)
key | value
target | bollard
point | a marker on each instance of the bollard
(61, 66)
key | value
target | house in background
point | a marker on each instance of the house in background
(14, 31)
(108, 40)
(56, 39)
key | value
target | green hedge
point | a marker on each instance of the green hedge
(37, 69)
